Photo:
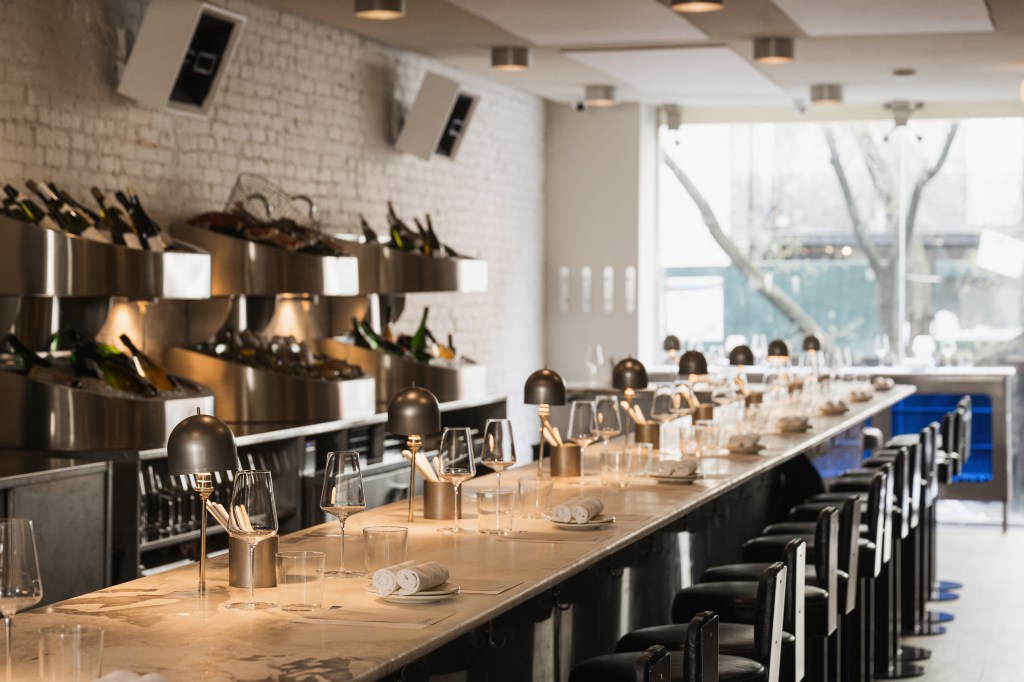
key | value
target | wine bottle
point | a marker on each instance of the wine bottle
(418, 343)
(368, 234)
(66, 216)
(100, 360)
(111, 217)
(435, 243)
(402, 237)
(31, 364)
(149, 370)
(73, 203)
(145, 227)
(362, 337)
(20, 207)
(425, 245)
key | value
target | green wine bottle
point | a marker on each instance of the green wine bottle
(102, 361)
(149, 370)
(31, 364)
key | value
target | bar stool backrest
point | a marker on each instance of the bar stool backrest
(654, 664)
(966, 410)
(826, 556)
(700, 662)
(768, 623)
(849, 548)
(795, 558)
(902, 465)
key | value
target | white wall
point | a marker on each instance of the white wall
(306, 105)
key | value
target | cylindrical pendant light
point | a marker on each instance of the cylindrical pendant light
(826, 93)
(600, 96)
(773, 50)
(510, 58)
(696, 5)
(381, 10)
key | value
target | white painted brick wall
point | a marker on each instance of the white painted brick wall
(306, 105)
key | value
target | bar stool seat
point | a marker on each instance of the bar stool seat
(752, 571)
(736, 639)
(620, 668)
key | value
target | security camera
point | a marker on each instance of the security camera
(579, 106)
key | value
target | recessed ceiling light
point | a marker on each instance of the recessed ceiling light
(381, 10)
(826, 93)
(510, 58)
(696, 5)
(773, 50)
(904, 74)
(600, 96)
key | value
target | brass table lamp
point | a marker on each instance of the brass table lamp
(629, 376)
(543, 388)
(413, 412)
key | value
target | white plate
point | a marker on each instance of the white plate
(439, 593)
(677, 480)
(751, 450)
(599, 521)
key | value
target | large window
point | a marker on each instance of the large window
(858, 228)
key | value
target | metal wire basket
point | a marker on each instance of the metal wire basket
(267, 201)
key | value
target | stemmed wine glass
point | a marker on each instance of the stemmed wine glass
(881, 347)
(20, 586)
(252, 517)
(342, 496)
(582, 426)
(608, 422)
(759, 346)
(947, 348)
(498, 451)
(454, 464)
(663, 407)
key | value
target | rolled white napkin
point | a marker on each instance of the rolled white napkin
(385, 580)
(421, 577)
(586, 508)
(684, 467)
(562, 513)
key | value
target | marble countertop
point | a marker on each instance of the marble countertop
(159, 623)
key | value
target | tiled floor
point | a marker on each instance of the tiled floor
(986, 641)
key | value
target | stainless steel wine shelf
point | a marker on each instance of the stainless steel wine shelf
(43, 262)
(384, 270)
(394, 373)
(249, 394)
(45, 416)
(247, 267)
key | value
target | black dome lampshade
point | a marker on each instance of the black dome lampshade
(671, 343)
(629, 373)
(811, 342)
(741, 355)
(414, 411)
(778, 350)
(544, 387)
(201, 444)
(693, 362)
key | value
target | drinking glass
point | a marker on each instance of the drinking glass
(663, 404)
(342, 496)
(499, 449)
(881, 347)
(609, 425)
(252, 517)
(582, 426)
(70, 653)
(20, 585)
(454, 464)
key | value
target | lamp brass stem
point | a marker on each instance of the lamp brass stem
(543, 411)
(413, 443)
(629, 394)
(204, 487)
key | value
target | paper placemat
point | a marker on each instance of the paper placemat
(375, 618)
(585, 536)
(484, 585)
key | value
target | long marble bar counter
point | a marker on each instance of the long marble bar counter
(159, 624)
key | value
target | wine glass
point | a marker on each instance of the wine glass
(20, 585)
(342, 496)
(881, 347)
(663, 407)
(947, 348)
(759, 346)
(252, 517)
(499, 448)
(454, 464)
(606, 412)
(582, 426)
(594, 363)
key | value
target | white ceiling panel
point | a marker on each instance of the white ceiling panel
(887, 17)
(586, 22)
(690, 72)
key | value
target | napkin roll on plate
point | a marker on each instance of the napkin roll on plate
(385, 580)
(421, 577)
(684, 467)
(577, 510)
